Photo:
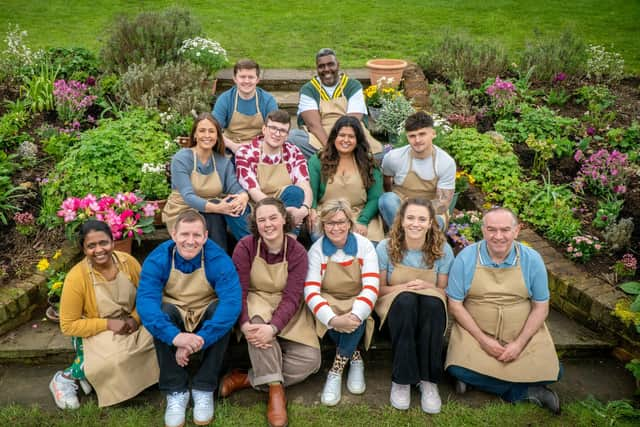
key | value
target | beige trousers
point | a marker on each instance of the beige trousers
(286, 361)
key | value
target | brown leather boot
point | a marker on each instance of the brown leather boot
(234, 381)
(277, 407)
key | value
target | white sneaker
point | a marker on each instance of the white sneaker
(177, 402)
(85, 386)
(430, 400)
(64, 391)
(355, 379)
(400, 396)
(332, 391)
(202, 407)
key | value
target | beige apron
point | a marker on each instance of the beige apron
(191, 293)
(415, 187)
(118, 366)
(340, 286)
(266, 283)
(205, 186)
(242, 128)
(350, 187)
(272, 178)
(330, 111)
(499, 303)
(403, 274)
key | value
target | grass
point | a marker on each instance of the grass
(453, 414)
(286, 34)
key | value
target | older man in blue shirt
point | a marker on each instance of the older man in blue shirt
(499, 296)
(189, 297)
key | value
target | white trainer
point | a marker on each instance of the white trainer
(400, 396)
(202, 407)
(64, 391)
(332, 391)
(355, 379)
(174, 415)
(85, 386)
(430, 400)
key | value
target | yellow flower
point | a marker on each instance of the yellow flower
(524, 242)
(370, 91)
(472, 180)
(43, 264)
(57, 254)
(487, 205)
(56, 285)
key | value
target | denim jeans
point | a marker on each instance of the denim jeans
(292, 196)
(217, 227)
(346, 344)
(388, 205)
(300, 139)
(174, 378)
(509, 391)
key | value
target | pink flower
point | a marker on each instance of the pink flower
(150, 209)
(578, 254)
(597, 246)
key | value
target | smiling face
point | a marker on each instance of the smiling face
(206, 135)
(275, 134)
(246, 81)
(98, 247)
(416, 222)
(346, 140)
(270, 224)
(421, 141)
(499, 229)
(189, 238)
(336, 228)
(328, 69)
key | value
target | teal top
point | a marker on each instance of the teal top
(370, 209)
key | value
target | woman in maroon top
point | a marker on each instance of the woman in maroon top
(278, 327)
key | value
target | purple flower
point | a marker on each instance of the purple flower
(91, 81)
(560, 77)
(591, 131)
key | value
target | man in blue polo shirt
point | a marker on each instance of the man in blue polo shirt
(189, 297)
(242, 110)
(499, 296)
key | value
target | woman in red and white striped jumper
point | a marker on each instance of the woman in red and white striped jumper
(341, 290)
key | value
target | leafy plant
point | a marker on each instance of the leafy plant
(460, 56)
(107, 160)
(59, 143)
(149, 36)
(549, 55)
(599, 101)
(626, 140)
(393, 114)
(607, 213)
(55, 275)
(543, 150)
(154, 184)
(612, 411)
(626, 266)
(72, 100)
(455, 99)
(634, 367)
(582, 248)
(603, 66)
(38, 88)
(11, 125)
(208, 54)
(542, 122)
(76, 63)
(176, 124)
(618, 235)
(9, 193)
(557, 97)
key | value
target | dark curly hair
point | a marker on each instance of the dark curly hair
(329, 156)
(270, 201)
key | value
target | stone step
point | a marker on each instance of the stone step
(40, 340)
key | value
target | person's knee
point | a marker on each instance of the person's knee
(211, 309)
(172, 311)
(405, 302)
(431, 304)
(292, 196)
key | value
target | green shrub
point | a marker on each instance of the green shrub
(58, 144)
(150, 36)
(626, 140)
(37, 90)
(541, 122)
(547, 56)
(461, 56)
(177, 86)
(11, 125)
(76, 63)
(108, 159)
(9, 193)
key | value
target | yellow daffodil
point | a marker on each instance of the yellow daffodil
(57, 254)
(57, 285)
(43, 264)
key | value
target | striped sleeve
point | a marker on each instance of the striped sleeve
(316, 303)
(366, 300)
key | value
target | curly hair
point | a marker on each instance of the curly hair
(270, 201)
(432, 246)
(219, 145)
(329, 156)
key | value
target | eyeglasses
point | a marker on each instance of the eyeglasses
(334, 224)
(277, 131)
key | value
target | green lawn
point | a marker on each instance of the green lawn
(288, 33)
(453, 414)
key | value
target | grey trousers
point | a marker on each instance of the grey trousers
(286, 361)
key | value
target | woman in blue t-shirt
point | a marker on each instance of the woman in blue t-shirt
(414, 265)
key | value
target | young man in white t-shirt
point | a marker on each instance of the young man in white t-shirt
(419, 169)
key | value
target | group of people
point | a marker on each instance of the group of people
(262, 182)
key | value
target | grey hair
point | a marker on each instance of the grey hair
(332, 207)
(325, 51)
(500, 209)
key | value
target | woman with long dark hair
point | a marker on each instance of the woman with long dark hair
(346, 169)
(414, 267)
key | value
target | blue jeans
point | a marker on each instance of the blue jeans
(300, 139)
(509, 391)
(347, 344)
(292, 196)
(217, 227)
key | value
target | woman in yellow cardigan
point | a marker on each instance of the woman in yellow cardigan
(114, 353)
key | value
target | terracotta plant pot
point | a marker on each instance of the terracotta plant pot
(157, 219)
(389, 68)
(124, 245)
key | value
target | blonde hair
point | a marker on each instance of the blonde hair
(331, 208)
(433, 242)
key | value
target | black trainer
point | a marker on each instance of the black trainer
(544, 398)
